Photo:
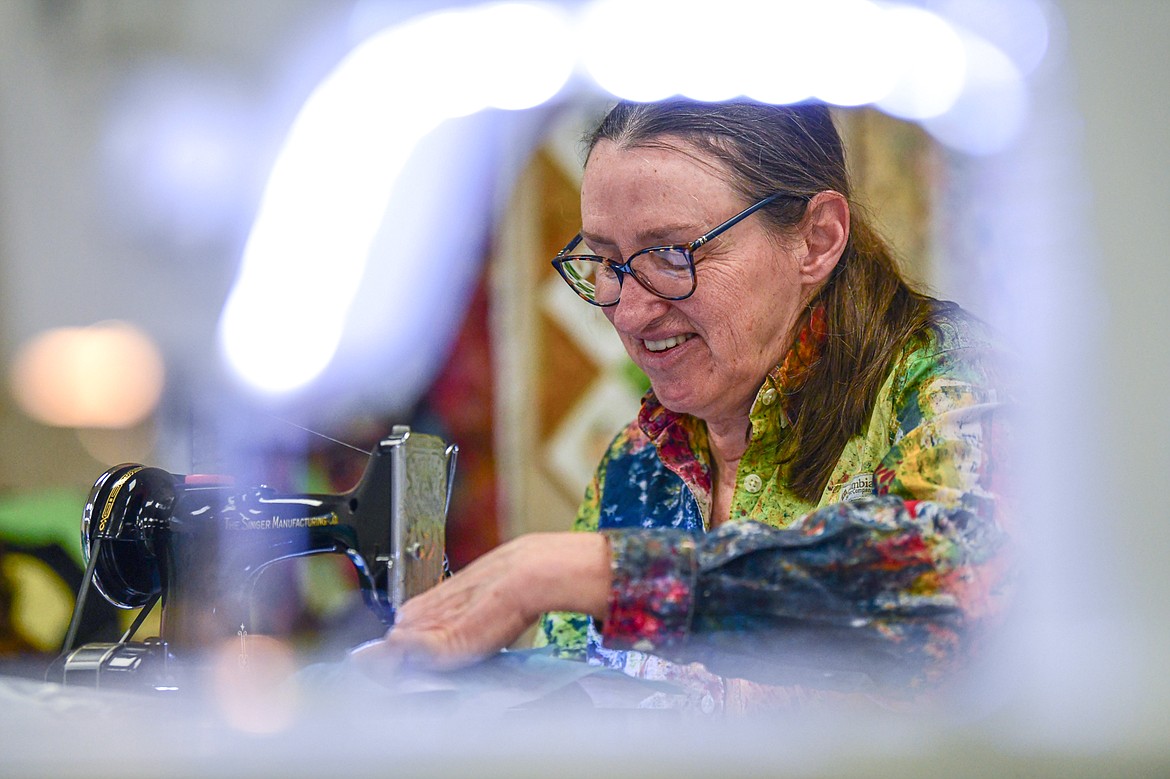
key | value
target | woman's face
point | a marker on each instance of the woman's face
(706, 355)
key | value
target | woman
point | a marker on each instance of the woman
(810, 485)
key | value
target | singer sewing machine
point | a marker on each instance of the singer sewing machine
(196, 546)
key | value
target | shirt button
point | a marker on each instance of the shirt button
(752, 483)
(769, 396)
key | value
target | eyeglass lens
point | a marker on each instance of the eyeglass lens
(665, 272)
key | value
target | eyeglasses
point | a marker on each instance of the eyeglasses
(666, 271)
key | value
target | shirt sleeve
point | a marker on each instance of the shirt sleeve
(892, 588)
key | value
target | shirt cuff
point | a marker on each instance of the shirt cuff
(651, 600)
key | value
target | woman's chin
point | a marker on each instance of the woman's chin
(675, 398)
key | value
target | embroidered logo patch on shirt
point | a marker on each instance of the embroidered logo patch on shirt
(859, 486)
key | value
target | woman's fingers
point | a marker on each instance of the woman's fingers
(489, 604)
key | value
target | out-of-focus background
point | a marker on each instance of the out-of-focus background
(204, 267)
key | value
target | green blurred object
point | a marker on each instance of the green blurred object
(41, 568)
(634, 375)
(52, 517)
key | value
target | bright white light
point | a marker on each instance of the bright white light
(327, 194)
(279, 347)
(1018, 28)
(622, 47)
(1022, 32)
(780, 44)
(524, 57)
(681, 51)
(321, 208)
(907, 61)
(992, 108)
(505, 55)
(853, 67)
(928, 62)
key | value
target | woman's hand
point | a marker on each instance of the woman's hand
(490, 603)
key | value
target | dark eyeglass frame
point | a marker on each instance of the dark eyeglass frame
(624, 269)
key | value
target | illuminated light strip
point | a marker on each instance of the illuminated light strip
(286, 315)
(327, 194)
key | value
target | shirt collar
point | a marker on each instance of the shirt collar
(790, 376)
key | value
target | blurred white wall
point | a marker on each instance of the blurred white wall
(1122, 88)
(97, 221)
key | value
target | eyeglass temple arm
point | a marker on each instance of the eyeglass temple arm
(733, 221)
(570, 246)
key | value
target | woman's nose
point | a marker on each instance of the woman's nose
(637, 307)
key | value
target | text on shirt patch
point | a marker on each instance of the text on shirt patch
(859, 486)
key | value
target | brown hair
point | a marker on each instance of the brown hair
(870, 310)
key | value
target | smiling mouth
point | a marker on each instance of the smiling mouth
(666, 343)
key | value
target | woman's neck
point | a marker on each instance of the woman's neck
(728, 439)
(727, 444)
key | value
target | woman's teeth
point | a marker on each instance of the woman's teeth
(666, 343)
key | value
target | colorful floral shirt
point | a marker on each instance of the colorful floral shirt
(883, 582)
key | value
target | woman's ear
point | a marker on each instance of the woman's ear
(825, 230)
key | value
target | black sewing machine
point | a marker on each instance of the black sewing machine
(196, 545)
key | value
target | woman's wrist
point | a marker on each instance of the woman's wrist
(571, 572)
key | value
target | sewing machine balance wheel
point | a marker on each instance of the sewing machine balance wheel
(126, 517)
